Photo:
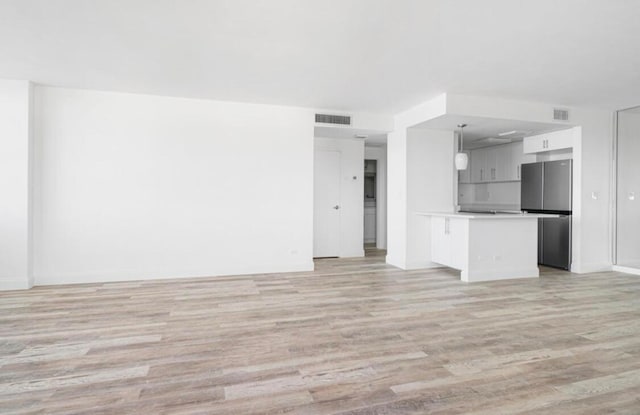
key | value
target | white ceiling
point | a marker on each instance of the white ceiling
(352, 55)
(478, 129)
(371, 137)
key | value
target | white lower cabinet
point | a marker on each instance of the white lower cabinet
(447, 236)
(486, 247)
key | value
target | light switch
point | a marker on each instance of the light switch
(594, 195)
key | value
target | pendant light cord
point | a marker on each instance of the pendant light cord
(461, 145)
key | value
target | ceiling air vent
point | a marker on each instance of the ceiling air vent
(560, 114)
(333, 119)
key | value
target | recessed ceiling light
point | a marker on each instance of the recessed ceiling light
(361, 136)
(493, 140)
(507, 133)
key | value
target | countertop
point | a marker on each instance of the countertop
(469, 215)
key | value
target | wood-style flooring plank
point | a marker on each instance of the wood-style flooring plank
(355, 336)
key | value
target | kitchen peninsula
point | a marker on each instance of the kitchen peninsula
(486, 246)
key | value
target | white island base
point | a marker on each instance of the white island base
(486, 247)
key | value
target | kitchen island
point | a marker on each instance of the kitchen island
(486, 246)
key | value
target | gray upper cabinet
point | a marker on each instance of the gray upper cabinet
(495, 164)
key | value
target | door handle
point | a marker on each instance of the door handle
(336, 207)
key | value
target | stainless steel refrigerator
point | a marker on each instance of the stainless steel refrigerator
(546, 188)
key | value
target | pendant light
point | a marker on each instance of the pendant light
(461, 159)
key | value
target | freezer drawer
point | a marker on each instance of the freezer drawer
(556, 242)
(531, 186)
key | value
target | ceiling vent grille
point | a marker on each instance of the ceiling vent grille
(333, 119)
(560, 114)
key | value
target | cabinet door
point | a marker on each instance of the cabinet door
(459, 244)
(560, 140)
(440, 241)
(503, 160)
(478, 165)
(515, 162)
(553, 141)
(491, 164)
(534, 144)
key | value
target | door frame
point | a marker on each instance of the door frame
(615, 197)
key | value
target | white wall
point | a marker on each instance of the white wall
(399, 148)
(136, 187)
(15, 187)
(351, 192)
(592, 207)
(380, 155)
(397, 197)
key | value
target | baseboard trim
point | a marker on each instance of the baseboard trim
(511, 274)
(422, 265)
(589, 268)
(14, 285)
(393, 261)
(63, 279)
(411, 265)
(626, 270)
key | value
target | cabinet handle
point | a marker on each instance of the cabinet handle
(481, 175)
(518, 172)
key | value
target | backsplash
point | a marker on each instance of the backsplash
(494, 196)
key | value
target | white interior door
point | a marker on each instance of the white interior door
(326, 212)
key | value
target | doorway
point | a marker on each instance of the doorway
(370, 205)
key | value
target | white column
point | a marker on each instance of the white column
(15, 185)
(397, 198)
(420, 178)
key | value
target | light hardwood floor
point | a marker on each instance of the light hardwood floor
(356, 336)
